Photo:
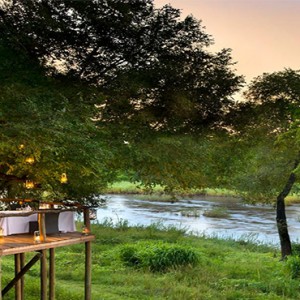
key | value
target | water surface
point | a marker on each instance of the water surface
(245, 221)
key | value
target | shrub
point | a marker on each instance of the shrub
(296, 249)
(129, 256)
(158, 257)
(293, 266)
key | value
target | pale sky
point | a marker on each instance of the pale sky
(264, 35)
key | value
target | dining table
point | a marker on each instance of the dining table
(17, 222)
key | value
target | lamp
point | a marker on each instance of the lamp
(29, 184)
(63, 178)
(29, 160)
(37, 237)
(85, 230)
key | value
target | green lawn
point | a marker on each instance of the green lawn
(225, 269)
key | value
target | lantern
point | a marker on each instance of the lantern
(63, 178)
(29, 160)
(29, 184)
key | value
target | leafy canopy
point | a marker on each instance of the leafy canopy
(111, 75)
(268, 127)
(41, 119)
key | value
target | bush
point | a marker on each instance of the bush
(158, 257)
(293, 266)
(129, 256)
(296, 249)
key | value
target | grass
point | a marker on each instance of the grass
(293, 199)
(217, 212)
(125, 187)
(224, 269)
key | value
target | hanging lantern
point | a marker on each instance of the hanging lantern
(29, 160)
(63, 178)
(29, 184)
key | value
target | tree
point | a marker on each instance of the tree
(269, 126)
(46, 131)
(148, 61)
(147, 73)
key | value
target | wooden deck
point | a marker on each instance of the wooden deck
(21, 243)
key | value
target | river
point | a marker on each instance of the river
(248, 222)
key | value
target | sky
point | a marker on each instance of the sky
(264, 35)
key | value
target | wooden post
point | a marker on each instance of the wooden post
(88, 271)
(51, 274)
(86, 218)
(42, 227)
(88, 256)
(22, 263)
(43, 275)
(18, 283)
(1, 277)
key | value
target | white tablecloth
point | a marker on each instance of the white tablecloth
(66, 221)
(17, 225)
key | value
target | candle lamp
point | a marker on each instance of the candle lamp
(29, 160)
(63, 178)
(29, 184)
(85, 230)
(36, 237)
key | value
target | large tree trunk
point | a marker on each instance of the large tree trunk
(285, 242)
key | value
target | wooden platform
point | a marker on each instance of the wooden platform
(21, 243)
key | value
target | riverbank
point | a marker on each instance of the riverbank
(224, 269)
(126, 187)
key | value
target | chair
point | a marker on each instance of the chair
(51, 223)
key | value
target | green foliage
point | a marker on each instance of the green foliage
(110, 88)
(293, 266)
(158, 257)
(47, 120)
(296, 249)
(269, 136)
(266, 140)
(182, 163)
(217, 212)
(129, 256)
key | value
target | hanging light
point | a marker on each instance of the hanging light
(29, 184)
(63, 178)
(29, 160)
